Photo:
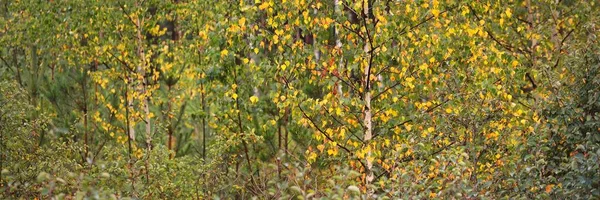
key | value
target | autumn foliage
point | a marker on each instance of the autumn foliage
(304, 99)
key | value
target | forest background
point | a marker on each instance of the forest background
(340, 99)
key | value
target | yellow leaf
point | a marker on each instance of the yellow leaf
(263, 6)
(471, 32)
(508, 13)
(224, 52)
(332, 152)
(515, 63)
(321, 147)
(278, 32)
(432, 195)
(242, 22)
(121, 47)
(253, 99)
(408, 127)
(312, 156)
(435, 12)
(397, 130)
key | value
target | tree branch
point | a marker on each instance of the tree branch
(320, 130)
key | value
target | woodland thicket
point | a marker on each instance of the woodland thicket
(299, 99)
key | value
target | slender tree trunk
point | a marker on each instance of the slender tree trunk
(141, 68)
(315, 42)
(176, 32)
(131, 135)
(367, 110)
(368, 125)
(170, 143)
(170, 123)
(33, 72)
(95, 103)
(18, 69)
(85, 114)
(285, 129)
(286, 121)
(129, 106)
(52, 67)
(203, 122)
(338, 44)
(531, 30)
(279, 135)
(286, 139)
(241, 129)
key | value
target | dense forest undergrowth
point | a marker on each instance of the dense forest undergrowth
(299, 99)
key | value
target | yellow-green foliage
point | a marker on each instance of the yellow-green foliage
(280, 99)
